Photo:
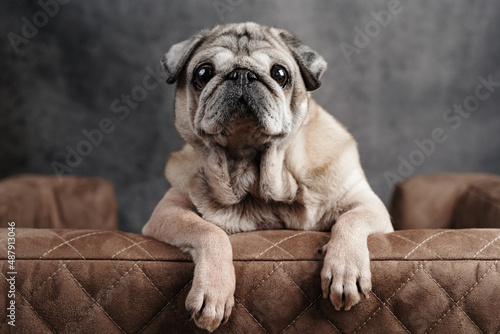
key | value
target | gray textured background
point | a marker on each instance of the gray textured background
(395, 89)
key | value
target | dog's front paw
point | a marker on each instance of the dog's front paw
(211, 297)
(346, 275)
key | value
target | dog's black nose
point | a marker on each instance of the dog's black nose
(242, 76)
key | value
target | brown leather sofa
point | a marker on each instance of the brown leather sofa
(100, 280)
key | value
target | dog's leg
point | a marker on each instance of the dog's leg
(175, 222)
(276, 182)
(346, 272)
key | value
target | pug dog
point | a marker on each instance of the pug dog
(260, 154)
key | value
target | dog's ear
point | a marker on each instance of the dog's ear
(177, 57)
(312, 65)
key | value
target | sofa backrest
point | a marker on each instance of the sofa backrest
(41, 201)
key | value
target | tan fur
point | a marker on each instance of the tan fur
(298, 169)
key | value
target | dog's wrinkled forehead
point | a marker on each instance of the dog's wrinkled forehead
(248, 45)
(245, 43)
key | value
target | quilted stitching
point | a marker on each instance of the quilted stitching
(490, 243)
(460, 300)
(66, 242)
(392, 314)
(133, 244)
(383, 304)
(4, 326)
(277, 245)
(455, 303)
(251, 315)
(95, 302)
(126, 283)
(166, 305)
(423, 242)
(70, 245)
(413, 242)
(274, 245)
(486, 246)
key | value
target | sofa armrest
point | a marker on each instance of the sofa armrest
(479, 205)
(41, 201)
(429, 201)
(94, 281)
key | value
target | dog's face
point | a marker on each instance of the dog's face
(241, 85)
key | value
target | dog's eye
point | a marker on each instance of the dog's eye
(202, 76)
(280, 75)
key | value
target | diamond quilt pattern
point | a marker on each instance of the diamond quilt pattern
(90, 281)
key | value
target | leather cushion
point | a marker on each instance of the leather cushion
(89, 281)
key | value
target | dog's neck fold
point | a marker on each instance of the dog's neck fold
(256, 171)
